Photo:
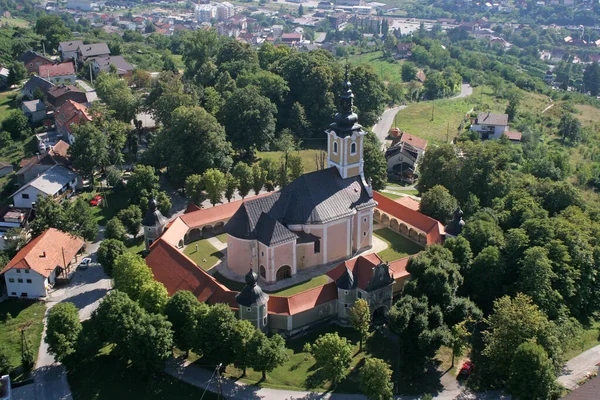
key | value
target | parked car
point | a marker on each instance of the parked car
(85, 263)
(96, 201)
(466, 369)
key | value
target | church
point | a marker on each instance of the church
(318, 219)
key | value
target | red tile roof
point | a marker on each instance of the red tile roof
(409, 202)
(204, 216)
(302, 301)
(60, 149)
(43, 254)
(414, 140)
(431, 227)
(398, 267)
(70, 113)
(191, 207)
(361, 267)
(53, 70)
(516, 136)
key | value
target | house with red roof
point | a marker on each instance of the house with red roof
(68, 115)
(63, 73)
(36, 266)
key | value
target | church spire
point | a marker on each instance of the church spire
(345, 121)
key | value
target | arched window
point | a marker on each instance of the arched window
(335, 147)
(353, 148)
(262, 271)
(317, 246)
(284, 272)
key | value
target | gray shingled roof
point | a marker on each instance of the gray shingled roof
(94, 49)
(488, 118)
(346, 281)
(315, 198)
(35, 82)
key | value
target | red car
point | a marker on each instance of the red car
(96, 201)
(466, 369)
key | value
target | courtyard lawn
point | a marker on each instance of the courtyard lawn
(399, 246)
(15, 315)
(391, 195)
(308, 158)
(387, 71)
(222, 237)
(206, 256)
(105, 378)
(136, 246)
(301, 287)
(114, 202)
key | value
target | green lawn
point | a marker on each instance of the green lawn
(308, 157)
(387, 71)
(15, 315)
(222, 237)
(105, 378)
(206, 256)
(136, 246)
(399, 246)
(114, 202)
(21, 23)
(313, 283)
(391, 195)
(589, 337)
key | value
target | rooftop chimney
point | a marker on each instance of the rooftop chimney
(43, 254)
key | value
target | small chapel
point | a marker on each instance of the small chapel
(320, 218)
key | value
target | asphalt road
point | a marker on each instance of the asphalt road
(576, 369)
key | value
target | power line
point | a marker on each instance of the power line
(210, 380)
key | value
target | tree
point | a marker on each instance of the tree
(114, 229)
(409, 72)
(396, 92)
(163, 203)
(141, 78)
(459, 336)
(131, 217)
(243, 173)
(215, 334)
(16, 73)
(333, 355)
(295, 167)
(17, 125)
(484, 278)
(420, 329)
(130, 274)
(168, 93)
(376, 379)
(532, 375)
(360, 318)
(268, 353)
(115, 92)
(214, 184)
(182, 311)
(375, 165)
(569, 128)
(49, 214)
(513, 105)
(242, 343)
(515, 321)
(194, 189)
(89, 152)
(535, 280)
(143, 180)
(15, 239)
(249, 120)
(108, 252)
(62, 330)
(286, 144)
(231, 184)
(259, 177)
(5, 365)
(81, 220)
(53, 29)
(591, 78)
(153, 297)
(300, 10)
(149, 343)
(370, 93)
(439, 204)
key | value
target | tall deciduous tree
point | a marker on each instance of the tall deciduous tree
(375, 167)
(249, 120)
(370, 93)
(268, 353)
(153, 297)
(439, 204)
(115, 229)
(81, 220)
(16, 73)
(130, 274)
(532, 374)
(333, 355)
(17, 125)
(53, 29)
(591, 78)
(243, 173)
(49, 214)
(62, 330)
(108, 252)
(242, 345)
(259, 177)
(231, 184)
(194, 189)
(569, 128)
(167, 94)
(131, 217)
(115, 92)
(376, 379)
(182, 311)
(214, 185)
(89, 152)
(360, 317)
(215, 334)
(143, 179)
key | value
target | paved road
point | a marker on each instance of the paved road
(576, 369)
(382, 127)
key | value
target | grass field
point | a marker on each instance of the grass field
(18, 314)
(21, 23)
(588, 115)
(222, 237)
(387, 71)
(308, 157)
(292, 290)
(399, 246)
(105, 378)
(114, 202)
(136, 246)
(391, 195)
(206, 256)
(589, 337)
(449, 113)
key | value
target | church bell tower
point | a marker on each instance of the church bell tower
(345, 136)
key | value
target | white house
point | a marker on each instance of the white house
(56, 182)
(59, 73)
(404, 155)
(490, 126)
(68, 50)
(37, 265)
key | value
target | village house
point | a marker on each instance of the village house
(33, 60)
(404, 155)
(35, 268)
(291, 39)
(59, 73)
(12, 218)
(58, 95)
(57, 182)
(5, 168)
(103, 64)
(404, 50)
(68, 115)
(34, 110)
(36, 86)
(92, 50)
(68, 50)
(490, 125)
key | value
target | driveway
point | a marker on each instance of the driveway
(576, 369)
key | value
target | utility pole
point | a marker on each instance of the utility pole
(91, 78)
(447, 132)
(432, 108)
(219, 383)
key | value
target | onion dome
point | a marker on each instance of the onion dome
(345, 121)
(153, 216)
(251, 294)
